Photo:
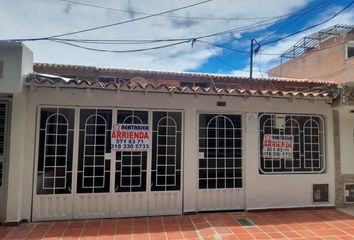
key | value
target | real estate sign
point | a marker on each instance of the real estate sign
(278, 146)
(130, 137)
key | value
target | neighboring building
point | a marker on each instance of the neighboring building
(89, 148)
(329, 55)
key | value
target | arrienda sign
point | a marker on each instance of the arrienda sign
(278, 146)
(130, 137)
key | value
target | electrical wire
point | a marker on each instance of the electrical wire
(234, 50)
(119, 23)
(221, 60)
(258, 24)
(163, 15)
(121, 51)
(310, 27)
(177, 41)
(192, 40)
(296, 19)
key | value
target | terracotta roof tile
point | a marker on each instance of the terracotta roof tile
(56, 81)
(176, 75)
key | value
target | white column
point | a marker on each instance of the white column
(251, 157)
(16, 158)
(190, 175)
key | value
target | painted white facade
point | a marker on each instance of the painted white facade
(346, 120)
(259, 191)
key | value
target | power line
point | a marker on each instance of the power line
(145, 41)
(223, 47)
(177, 41)
(117, 23)
(121, 51)
(238, 29)
(234, 50)
(220, 60)
(110, 41)
(163, 15)
(313, 26)
(131, 20)
(258, 24)
(318, 6)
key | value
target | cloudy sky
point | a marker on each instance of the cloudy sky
(263, 20)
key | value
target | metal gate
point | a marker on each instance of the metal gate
(3, 154)
(220, 162)
(88, 180)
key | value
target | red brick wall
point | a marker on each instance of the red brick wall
(327, 63)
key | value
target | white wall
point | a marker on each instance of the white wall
(262, 191)
(16, 172)
(17, 61)
(346, 123)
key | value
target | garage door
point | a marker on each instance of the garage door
(220, 162)
(80, 174)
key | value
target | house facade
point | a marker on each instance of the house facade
(329, 55)
(76, 144)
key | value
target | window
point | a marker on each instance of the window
(186, 84)
(194, 84)
(1, 69)
(291, 143)
(350, 52)
(1, 171)
(3, 142)
(106, 79)
(131, 166)
(349, 49)
(296, 88)
(220, 150)
(166, 151)
(54, 170)
(3, 110)
(227, 86)
(93, 169)
(201, 84)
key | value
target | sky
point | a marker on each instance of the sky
(262, 20)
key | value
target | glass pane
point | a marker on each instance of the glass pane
(296, 147)
(93, 168)
(131, 166)
(220, 144)
(166, 151)
(54, 168)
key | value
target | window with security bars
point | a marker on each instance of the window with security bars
(220, 151)
(131, 165)
(1, 171)
(166, 151)
(291, 143)
(3, 115)
(3, 110)
(93, 175)
(55, 155)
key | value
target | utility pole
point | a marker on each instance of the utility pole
(253, 42)
(253, 51)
